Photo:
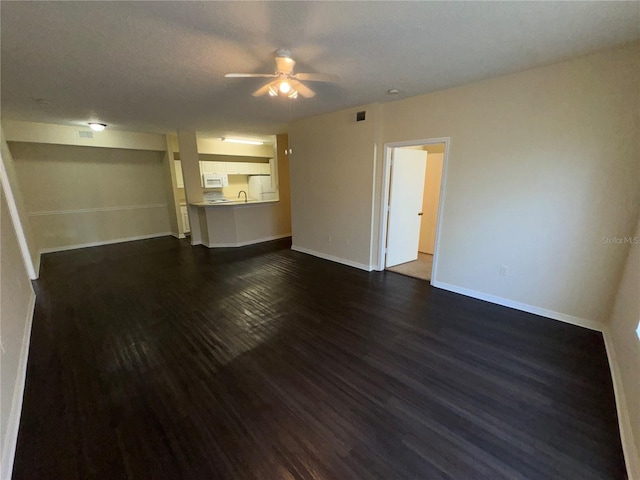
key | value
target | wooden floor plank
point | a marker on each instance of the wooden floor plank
(155, 359)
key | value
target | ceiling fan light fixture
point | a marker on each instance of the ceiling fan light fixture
(285, 82)
(242, 140)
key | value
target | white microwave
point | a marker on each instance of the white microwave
(215, 180)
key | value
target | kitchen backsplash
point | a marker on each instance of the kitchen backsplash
(236, 183)
(213, 195)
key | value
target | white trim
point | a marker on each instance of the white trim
(103, 242)
(325, 256)
(505, 302)
(13, 423)
(244, 244)
(384, 197)
(97, 209)
(17, 224)
(178, 235)
(631, 458)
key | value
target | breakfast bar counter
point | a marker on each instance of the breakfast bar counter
(239, 223)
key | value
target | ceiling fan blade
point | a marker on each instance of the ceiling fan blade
(302, 89)
(262, 90)
(285, 64)
(317, 77)
(250, 75)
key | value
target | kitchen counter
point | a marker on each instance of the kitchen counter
(238, 223)
(234, 203)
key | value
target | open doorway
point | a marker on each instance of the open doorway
(413, 182)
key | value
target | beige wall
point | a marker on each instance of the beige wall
(236, 183)
(82, 195)
(29, 243)
(215, 146)
(16, 298)
(626, 346)
(332, 173)
(430, 202)
(542, 165)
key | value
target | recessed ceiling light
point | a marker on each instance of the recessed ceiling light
(242, 140)
(393, 91)
(97, 127)
(43, 101)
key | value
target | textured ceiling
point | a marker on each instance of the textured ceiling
(158, 66)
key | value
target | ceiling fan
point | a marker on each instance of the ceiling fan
(285, 81)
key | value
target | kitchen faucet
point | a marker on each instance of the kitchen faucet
(245, 195)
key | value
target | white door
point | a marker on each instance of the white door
(405, 205)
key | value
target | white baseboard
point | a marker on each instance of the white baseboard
(325, 256)
(631, 458)
(103, 242)
(244, 244)
(13, 424)
(178, 235)
(505, 302)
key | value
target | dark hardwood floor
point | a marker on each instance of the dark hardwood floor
(155, 359)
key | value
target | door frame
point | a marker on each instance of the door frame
(386, 184)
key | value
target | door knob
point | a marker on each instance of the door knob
(420, 213)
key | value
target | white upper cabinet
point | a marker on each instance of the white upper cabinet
(232, 168)
(207, 167)
(243, 168)
(236, 168)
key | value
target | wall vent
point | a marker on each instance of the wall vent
(85, 134)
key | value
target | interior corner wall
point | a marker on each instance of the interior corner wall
(28, 241)
(78, 196)
(17, 299)
(543, 166)
(172, 193)
(332, 168)
(625, 344)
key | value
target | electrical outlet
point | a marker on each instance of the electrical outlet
(504, 270)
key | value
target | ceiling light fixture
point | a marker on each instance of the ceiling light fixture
(241, 140)
(285, 81)
(393, 91)
(97, 127)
